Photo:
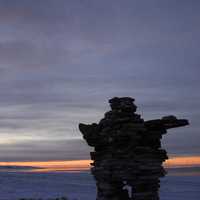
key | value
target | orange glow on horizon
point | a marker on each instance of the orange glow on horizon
(82, 165)
(186, 161)
(73, 165)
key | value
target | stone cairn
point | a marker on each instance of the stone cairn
(127, 152)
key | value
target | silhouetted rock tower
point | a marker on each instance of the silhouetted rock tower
(127, 152)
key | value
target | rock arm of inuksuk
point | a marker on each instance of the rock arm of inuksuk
(127, 152)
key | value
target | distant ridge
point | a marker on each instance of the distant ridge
(8, 167)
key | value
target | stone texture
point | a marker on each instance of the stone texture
(127, 152)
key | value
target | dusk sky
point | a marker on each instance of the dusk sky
(61, 60)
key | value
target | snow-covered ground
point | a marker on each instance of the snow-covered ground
(81, 186)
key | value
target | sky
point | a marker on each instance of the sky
(61, 60)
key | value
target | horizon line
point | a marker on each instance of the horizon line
(84, 165)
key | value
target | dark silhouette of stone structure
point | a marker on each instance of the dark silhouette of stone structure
(127, 152)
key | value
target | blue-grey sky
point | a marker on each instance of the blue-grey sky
(61, 60)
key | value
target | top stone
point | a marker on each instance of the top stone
(123, 104)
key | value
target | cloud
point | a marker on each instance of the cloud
(44, 150)
(59, 64)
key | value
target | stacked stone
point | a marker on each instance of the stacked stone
(127, 152)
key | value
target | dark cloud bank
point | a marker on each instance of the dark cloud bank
(61, 60)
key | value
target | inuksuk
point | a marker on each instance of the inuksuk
(127, 157)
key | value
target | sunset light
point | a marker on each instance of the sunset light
(83, 165)
(46, 166)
